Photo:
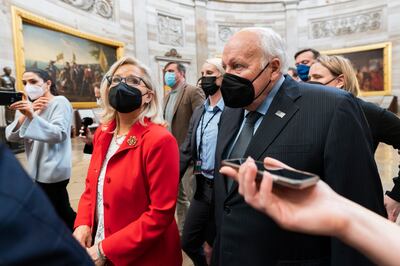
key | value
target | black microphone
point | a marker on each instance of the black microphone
(86, 122)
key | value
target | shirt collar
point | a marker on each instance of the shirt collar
(263, 108)
(220, 105)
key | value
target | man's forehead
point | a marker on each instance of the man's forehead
(305, 55)
(173, 66)
(243, 46)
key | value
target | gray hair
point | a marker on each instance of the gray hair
(217, 62)
(272, 46)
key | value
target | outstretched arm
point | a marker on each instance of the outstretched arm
(321, 211)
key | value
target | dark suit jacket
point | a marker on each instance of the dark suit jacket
(187, 100)
(385, 127)
(323, 131)
(188, 149)
(31, 233)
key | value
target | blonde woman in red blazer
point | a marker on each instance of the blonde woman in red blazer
(126, 213)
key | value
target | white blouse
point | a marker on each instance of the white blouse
(112, 149)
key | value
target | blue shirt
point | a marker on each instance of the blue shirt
(209, 125)
(262, 109)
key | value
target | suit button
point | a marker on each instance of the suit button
(106, 205)
(108, 180)
(227, 209)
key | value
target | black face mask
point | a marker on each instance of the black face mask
(208, 85)
(238, 92)
(320, 83)
(124, 98)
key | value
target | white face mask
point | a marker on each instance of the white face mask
(34, 91)
(99, 102)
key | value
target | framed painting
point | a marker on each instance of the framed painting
(372, 64)
(76, 61)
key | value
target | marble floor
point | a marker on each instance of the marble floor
(386, 157)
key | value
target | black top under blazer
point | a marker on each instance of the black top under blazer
(385, 127)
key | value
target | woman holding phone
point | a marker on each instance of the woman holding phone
(43, 123)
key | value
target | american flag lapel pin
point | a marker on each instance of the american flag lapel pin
(280, 114)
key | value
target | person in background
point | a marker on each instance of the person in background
(87, 138)
(199, 148)
(179, 105)
(31, 231)
(318, 210)
(43, 122)
(304, 60)
(293, 73)
(337, 71)
(132, 183)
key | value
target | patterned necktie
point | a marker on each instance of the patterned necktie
(244, 139)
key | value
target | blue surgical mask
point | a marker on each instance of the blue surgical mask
(302, 71)
(169, 79)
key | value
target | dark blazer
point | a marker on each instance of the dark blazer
(188, 149)
(385, 127)
(188, 98)
(31, 232)
(323, 131)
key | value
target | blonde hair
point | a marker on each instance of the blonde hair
(152, 110)
(217, 62)
(339, 65)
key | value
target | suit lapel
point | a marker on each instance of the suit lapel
(105, 139)
(197, 116)
(280, 112)
(229, 125)
(166, 99)
(179, 99)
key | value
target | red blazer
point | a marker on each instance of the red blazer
(139, 194)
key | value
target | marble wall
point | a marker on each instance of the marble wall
(198, 29)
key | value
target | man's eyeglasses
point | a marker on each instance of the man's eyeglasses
(131, 80)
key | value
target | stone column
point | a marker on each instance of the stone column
(140, 27)
(291, 30)
(201, 32)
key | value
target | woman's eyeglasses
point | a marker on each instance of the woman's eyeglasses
(131, 80)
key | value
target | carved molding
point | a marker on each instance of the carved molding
(103, 8)
(226, 31)
(170, 30)
(344, 25)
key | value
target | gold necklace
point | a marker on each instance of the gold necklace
(119, 139)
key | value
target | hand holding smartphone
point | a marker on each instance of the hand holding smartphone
(286, 177)
(10, 97)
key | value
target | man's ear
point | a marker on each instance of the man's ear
(275, 68)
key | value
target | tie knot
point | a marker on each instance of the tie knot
(252, 117)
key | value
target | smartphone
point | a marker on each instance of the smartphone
(286, 177)
(10, 97)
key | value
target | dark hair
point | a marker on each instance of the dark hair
(315, 52)
(45, 76)
(180, 66)
(294, 70)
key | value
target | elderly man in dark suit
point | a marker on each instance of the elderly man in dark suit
(310, 127)
(179, 105)
(31, 232)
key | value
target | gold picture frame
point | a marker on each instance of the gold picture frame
(75, 82)
(372, 64)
